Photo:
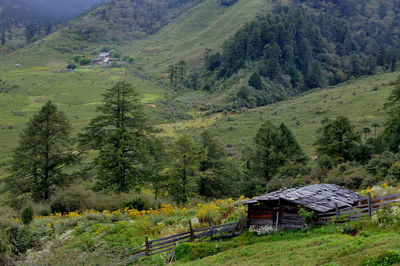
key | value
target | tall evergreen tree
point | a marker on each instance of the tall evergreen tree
(267, 154)
(118, 133)
(255, 81)
(186, 156)
(275, 149)
(338, 139)
(392, 125)
(214, 179)
(44, 152)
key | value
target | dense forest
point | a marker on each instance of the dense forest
(306, 45)
(24, 21)
(123, 20)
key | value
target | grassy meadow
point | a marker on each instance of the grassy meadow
(77, 94)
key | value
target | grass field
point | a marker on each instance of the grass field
(308, 249)
(77, 94)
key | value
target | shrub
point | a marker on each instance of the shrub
(387, 258)
(308, 216)
(351, 228)
(137, 203)
(387, 216)
(85, 61)
(71, 66)
(27, 215)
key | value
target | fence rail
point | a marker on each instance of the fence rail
(229, 230)
(168, 243)
(358, 212)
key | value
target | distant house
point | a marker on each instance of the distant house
(103, 59)
(104, 55)
(281, 208)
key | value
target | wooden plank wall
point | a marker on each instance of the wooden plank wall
(290, 218)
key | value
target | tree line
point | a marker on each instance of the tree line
(119, 152)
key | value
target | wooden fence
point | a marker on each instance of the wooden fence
(357, 212)
(229, 230)
(165, 244)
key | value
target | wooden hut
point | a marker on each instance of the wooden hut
(280, 208)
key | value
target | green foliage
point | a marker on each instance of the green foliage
(292, 48)
(77, 58)
(387, 258)
(350, 175)
(137, 203)
(85, 61)
(255, 81)
(275, 153)
(351, 228)
(43, 153)
(71, 66)
(27, 215)
(308, 216)
(217, 174)
(119, 134)
(186, 156)
(338, 139)
(140, 19)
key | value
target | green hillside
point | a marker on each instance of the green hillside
(78, 93)
(362, 100)
(310, 249)
(207, 25)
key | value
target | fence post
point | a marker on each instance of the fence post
(369, 205)
(337, 210)
(211, 231)
(147, 247)
(242, 223)
(191, 231)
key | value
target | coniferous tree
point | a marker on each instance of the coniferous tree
(155, 166)
(267, 155)
(186, 156)
(338, 139)
(392, 127)
(214, 180)
(275, 150)
(44, 152)
(118, 133)
(255, 81)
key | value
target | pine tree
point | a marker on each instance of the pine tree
(155, 165)
(44, 152)
(119, 133)
(289, 145)
(337, 139)
(213, 181)
(255, 81)
(186, 156)
(375, 125)
(267, 155)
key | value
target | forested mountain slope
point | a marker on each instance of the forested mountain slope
(304, 45)
(24, 21)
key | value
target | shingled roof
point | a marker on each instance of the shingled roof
(320, 197)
